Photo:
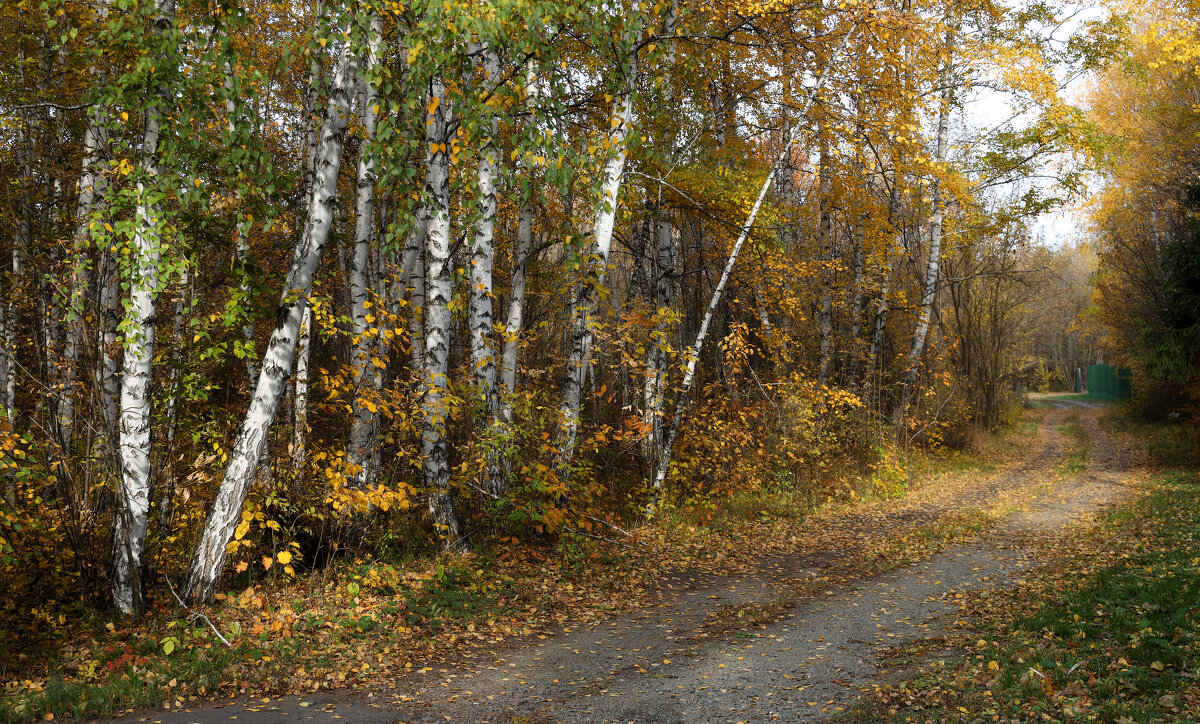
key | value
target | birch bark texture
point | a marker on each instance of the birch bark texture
(483, 351)
(583, 320)
(209, 559)
(689, 371)
(362, 453)
(664, 279)
(932, 266)
(438, 324)
(133, 505)
(515, 319)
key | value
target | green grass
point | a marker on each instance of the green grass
(1109, 633)
(1079, 445)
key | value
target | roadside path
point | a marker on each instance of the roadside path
(804, 661)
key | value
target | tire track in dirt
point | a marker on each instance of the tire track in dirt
(809, 661)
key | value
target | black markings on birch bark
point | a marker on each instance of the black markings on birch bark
(209, 559)
(434, 452)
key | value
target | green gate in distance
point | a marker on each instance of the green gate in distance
(1109, 383)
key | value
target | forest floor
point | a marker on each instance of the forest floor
(805, 634)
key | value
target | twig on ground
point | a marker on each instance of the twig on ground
(576, 531)
(193, 614)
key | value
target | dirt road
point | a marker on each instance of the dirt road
(805, 660)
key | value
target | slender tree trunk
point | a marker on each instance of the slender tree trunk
(664, 271)
(483, 351)
(689, 372)
(174, 387)
(304, 340)
(516, 298)
(656, 357)
(209, 559)
(935, 232)
(583, 321)
(414, 266)
(362, 453)
(434, 407)
(825, 309)
(516, 310)
(133, 505)
(300, 399)
(91, 200)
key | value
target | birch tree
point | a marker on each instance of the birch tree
(945, 80)
(133, 511)
(435, 405)
(362, 453)
(483, 352)
(583, 321)
(689, 370)
(209, 559)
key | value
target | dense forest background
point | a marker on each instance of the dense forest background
(289, 282)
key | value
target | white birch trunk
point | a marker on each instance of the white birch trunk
(689, 372)
(209, 560)
(935, 231)
(414, 265)
(133, 500)
(483, 351)
(173, 391)
(92, 188)
(664, 269)
(300, 399)
(434, 453)
(583, 321)
(362, 452)
(304, 341)
(515, 321)
(825, 308)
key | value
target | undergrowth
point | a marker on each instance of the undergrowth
(362, 622)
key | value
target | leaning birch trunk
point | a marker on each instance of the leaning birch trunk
(133, 504)
(209, 560)
(689, 372)
(483, 352)
(583, 322)
(935, 234)
(434, 453)
(362, 452)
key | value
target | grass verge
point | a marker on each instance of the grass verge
(1108, 632)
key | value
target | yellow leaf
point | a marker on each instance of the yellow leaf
(241, 566)
(284, 557)
(268, 561)
(242, 529)
(433, 104)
